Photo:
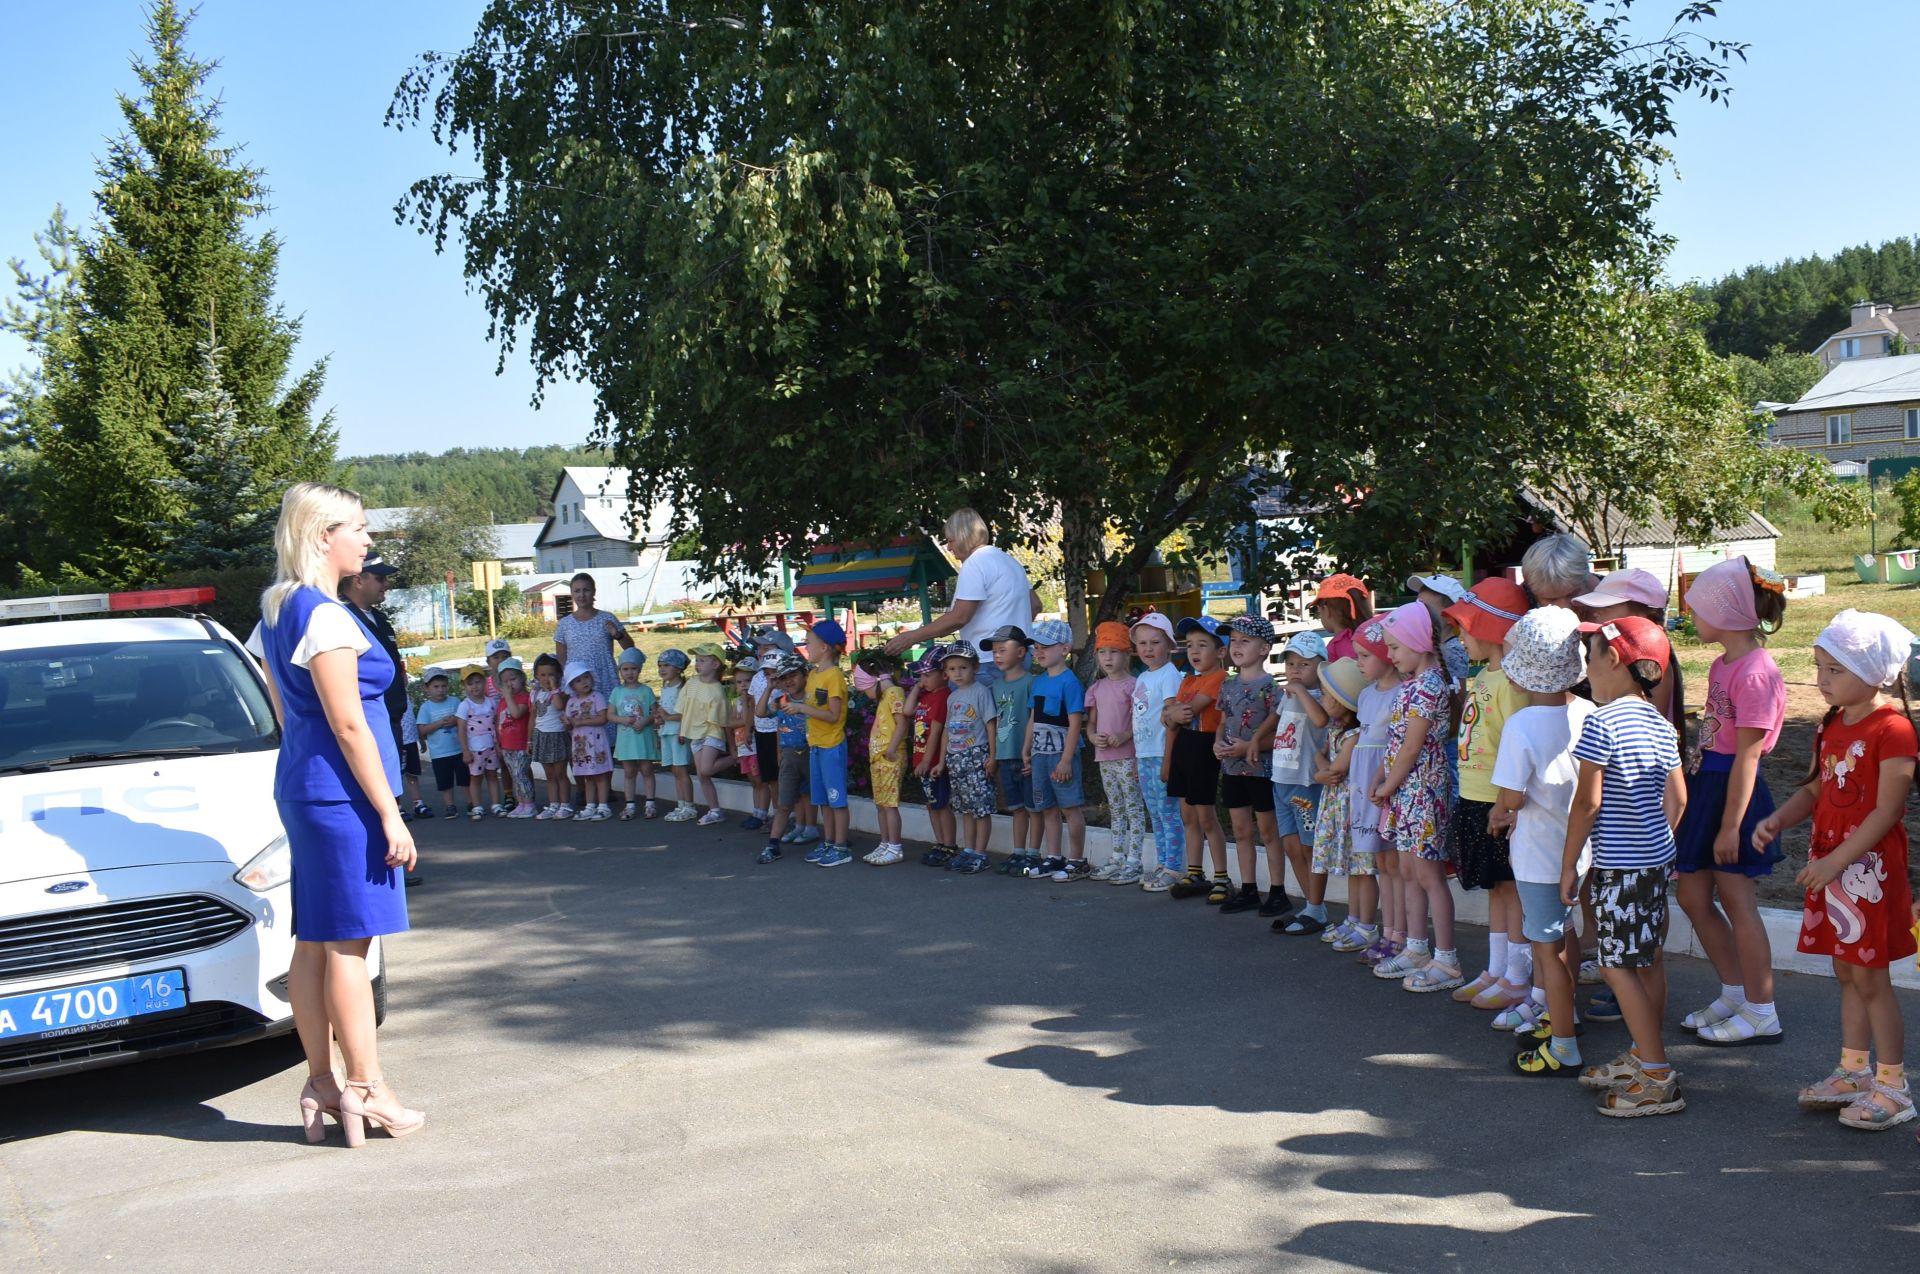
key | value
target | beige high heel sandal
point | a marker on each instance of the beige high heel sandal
(355, 1114)
(313, 1111)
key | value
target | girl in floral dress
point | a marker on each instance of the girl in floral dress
(592, 764)
(1415, 796)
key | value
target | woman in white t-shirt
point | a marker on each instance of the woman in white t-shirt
(992, 592)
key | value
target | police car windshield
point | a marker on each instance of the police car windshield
(106, 702)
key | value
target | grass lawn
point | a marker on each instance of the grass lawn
(1809, 548)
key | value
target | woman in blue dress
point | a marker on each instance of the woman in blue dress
(335, 785)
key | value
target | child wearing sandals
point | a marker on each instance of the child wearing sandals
(1387, 938)
(1858, 901)
(1629, 798)
(1483, 618)
(1734, 606)
(1154, 688)
(1110, 728)
(636, 743)
(1341, 683)
(877, 676)
(1416, 799)
(1534, 777)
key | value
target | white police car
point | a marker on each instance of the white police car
(144, 904)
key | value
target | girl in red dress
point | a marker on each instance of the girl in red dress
(1858, 905)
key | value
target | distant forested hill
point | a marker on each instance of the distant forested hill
(1799, 303)
(512, 486)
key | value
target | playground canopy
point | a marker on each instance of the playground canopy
(868, 574)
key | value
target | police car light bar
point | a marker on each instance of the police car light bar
(102, 603)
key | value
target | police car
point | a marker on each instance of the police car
(144, 898)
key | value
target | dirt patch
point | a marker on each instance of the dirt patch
(1785, 770)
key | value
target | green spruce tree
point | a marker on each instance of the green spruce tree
(109, 412)
(224, 520)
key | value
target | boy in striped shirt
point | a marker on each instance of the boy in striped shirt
(1630, 797)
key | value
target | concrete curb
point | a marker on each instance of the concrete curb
(1470, 906)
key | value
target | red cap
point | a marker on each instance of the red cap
(1633, 639)
(1492, 607)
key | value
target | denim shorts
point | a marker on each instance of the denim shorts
(1016, 788)
(1046, 793)
(1296, 807)
(827, 775)
(1543, 917)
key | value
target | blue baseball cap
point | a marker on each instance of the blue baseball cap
(1307, 645)
(829, 631)
(1204, 624)
(1052, 632)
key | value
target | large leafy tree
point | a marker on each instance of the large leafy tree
(1655, 422)
(834, 268)
(117, 323)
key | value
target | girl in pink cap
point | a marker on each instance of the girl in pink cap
(1416, 798)
(1734, 607)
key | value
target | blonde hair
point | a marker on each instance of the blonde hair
(308, 513)
(965, 530)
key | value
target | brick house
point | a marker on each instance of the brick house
(1864, 408)
(1872, 331)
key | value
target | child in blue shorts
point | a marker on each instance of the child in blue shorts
(1299, 740)
(1012, 702)
(1052, 753)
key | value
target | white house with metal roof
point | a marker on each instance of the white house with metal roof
(1861, 410)
(594, 524)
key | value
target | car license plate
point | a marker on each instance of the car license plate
(92, 1006)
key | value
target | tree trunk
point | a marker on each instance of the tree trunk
(1079, 554)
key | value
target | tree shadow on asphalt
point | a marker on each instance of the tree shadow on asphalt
(1402, 1114)
(1169, 1004)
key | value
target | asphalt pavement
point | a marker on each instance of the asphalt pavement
(639, 1050)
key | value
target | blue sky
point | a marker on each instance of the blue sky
(1806, 159)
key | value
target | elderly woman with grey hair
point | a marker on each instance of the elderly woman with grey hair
(992, 593)
(1556, 569)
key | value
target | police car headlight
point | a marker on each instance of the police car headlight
(268, 869)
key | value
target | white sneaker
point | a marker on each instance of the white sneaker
(1590, 974)
(497, 810)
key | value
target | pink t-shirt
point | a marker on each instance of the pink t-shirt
(1111, 699)
(1748, 694)
(1340, 646)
